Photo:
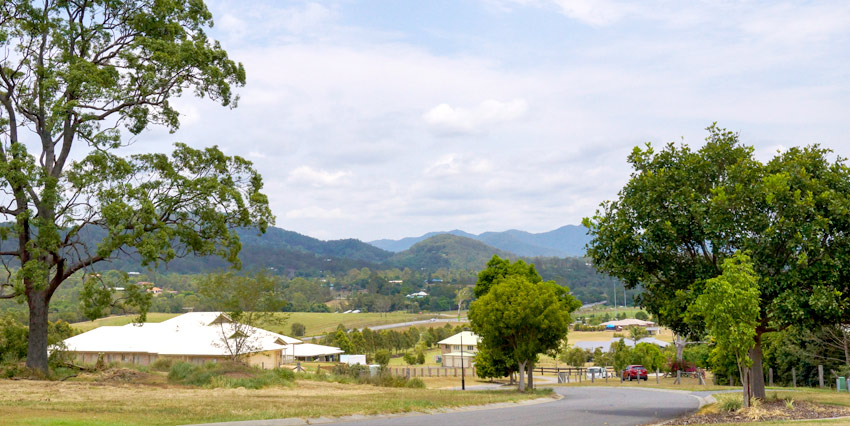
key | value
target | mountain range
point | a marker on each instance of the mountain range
(569, 240)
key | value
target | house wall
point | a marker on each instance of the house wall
(456, 361)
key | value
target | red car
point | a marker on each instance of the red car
(635, 372)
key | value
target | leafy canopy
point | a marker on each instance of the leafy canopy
(685, 211)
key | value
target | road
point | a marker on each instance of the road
(602, 406)
(579, 406)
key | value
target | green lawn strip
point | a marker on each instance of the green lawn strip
(120, 320)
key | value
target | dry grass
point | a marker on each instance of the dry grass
(69, 403)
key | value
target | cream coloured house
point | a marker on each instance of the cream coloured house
(196, 337)
(459, 350)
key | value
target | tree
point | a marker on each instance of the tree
(74, 74)
(648, 355)
(498, 268)
(522, 319)
(636, 333)
(574, 356)
(248, 302)
(382, 357)
(464, 294)
(342, 342)
(683, 212)
(641, 315)
(730, 305)
(298, 329)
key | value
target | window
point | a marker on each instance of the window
(456, 347)
(469, 348)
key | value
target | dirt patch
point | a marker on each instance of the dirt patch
(767, 411)
(122, 375)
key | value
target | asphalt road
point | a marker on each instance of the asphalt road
(602, 406)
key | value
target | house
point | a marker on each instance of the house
(418, 295)
(195, 337)
(626, 323)
(458, 350)
(606, 346)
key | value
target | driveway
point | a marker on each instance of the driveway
(602, 406)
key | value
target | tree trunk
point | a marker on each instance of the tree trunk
(37, 341)
(521, 375)
(757, 369)
(680, 343)
(745, 380)
(530, 376)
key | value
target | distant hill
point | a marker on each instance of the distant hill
(403, 244)
(565, 241)
(447, 251)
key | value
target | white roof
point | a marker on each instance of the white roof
(606, 346)
(468, 338)
(629, 322)
(311, 349)
(196, 333)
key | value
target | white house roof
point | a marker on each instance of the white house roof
(464, 337)
(628, 322)
(196, 333)
(310, 349)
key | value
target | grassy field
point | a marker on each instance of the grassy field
(602, 310)
(26, 402)
(429, 359)
(316, 323)
(120, 320)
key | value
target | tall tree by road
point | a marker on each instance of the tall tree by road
(684, 211)
(73, 77)
(521, 319)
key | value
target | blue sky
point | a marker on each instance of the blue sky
(385, 119)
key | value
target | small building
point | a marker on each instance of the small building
(459, 350)
(626, 323)
(417, 295)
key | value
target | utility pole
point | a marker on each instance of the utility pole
(625, 299)
(615, 302)
(462, 371)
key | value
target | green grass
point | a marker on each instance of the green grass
(120, 320)
(429, 359)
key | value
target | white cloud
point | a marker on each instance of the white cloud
(445, 119)
(314, 212)
(454, 164)
(316, 178)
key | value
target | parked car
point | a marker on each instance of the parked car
(597, 372)
(635, 372)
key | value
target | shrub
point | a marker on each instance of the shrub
(416, 383)
(409, 358)
(382, 357)
(162, 364)
(298, 329)
(228, 375)
(729, 402)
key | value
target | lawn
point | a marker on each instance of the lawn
(429, 359)
(25, 402)
(316, 323)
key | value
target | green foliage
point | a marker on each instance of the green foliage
(162, 364)
(228, 375)
(575, 356)
(298, 329)
(13, 339)
(382, 357)
(498, 268)
(101, 66)
(410, 358)
(729, 304)
(685, 211)
(648, 355)
(522, 318)
(641, 315)
(729, 402)
(492, 364)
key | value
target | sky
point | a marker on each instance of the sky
(387, 119)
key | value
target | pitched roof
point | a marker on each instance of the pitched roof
(196, 333)
(629, 322)
(311, 349)
(464, 337)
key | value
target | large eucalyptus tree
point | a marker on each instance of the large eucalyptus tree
(77, 77)
(684, 211)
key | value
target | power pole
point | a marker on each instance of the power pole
(462, 371)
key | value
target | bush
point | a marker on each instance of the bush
(382, 357)
(729, 402)
(410, 358)
(416, 383)
(641, 315)
(162, 364)
(298, 329)
(227, 375)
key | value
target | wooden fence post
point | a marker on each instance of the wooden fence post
(794, 376)
(770, 376)
(678, 377)
(656, 376)
(820, 376)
